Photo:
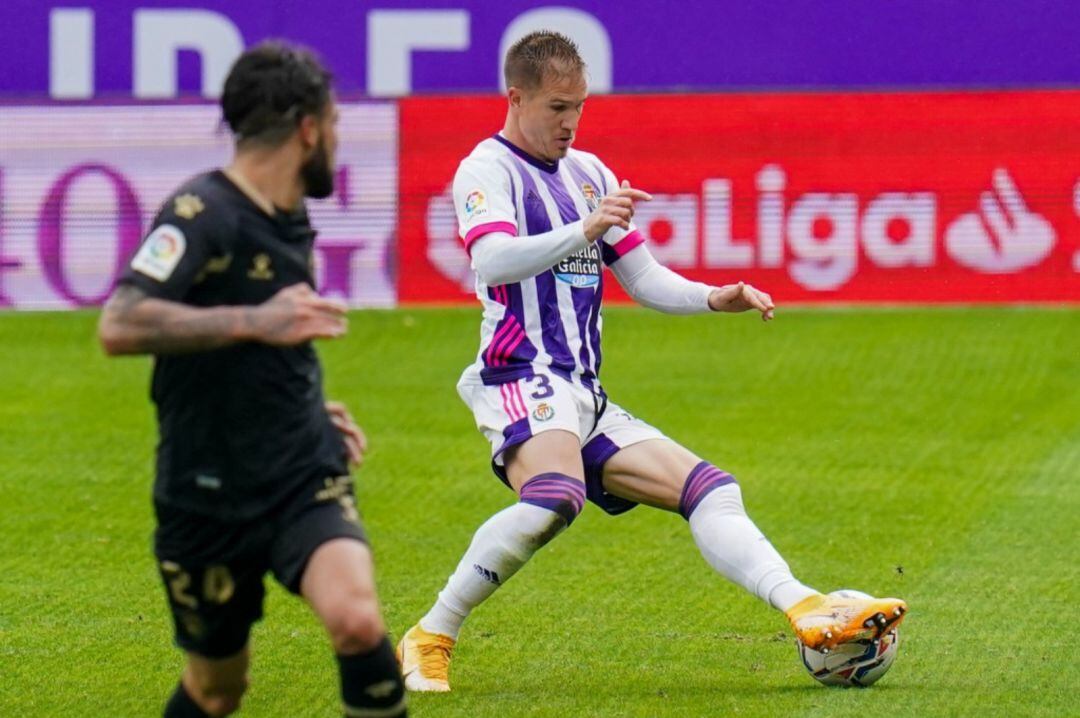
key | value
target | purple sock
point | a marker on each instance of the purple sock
(704, 478)
(555, 492)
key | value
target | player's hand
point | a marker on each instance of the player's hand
(355, 441)
(295, 315)
(615, 210)
(741, 297)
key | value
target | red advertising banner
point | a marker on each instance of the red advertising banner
(909, 197)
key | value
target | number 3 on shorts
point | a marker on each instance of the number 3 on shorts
(544, 389)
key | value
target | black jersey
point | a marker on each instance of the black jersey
(240, 427)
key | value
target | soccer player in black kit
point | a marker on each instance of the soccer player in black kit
(253, 464)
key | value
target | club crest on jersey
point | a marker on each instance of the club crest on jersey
(581, 269)
(260, 267)
(186, 206)
(543, 411)
(475, 205)
(591, 200)
(160, 253)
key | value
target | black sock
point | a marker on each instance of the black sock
(371, 683)
(181, 705)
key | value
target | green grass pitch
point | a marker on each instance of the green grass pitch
(945, 442)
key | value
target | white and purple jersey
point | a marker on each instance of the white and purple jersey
(553, 318)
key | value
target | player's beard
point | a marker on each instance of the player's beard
(316, 174)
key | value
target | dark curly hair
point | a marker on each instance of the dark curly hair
(270, 88)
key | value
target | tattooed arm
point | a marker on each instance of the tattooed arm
(135, 323)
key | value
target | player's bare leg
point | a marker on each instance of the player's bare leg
(210, 686)
(663, 474)
(547, 473)
(339, 584)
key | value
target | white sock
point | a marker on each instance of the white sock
(737, 549)
(499, 548)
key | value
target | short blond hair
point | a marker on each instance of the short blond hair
(538, 55)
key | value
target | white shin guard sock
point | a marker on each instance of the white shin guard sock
(499, 548)
(737, 549)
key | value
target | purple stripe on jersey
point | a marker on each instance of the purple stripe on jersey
(578, 169)
(525, 352)
(702, 480)
(551, 328)
(555, 492)
(550, 168)
(594, 326)
(584, 299)
(581, 175)
(557, 187)
(593, 329)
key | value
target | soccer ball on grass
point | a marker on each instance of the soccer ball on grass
(852, 664)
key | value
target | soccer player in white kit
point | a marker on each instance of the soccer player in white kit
(540, 220)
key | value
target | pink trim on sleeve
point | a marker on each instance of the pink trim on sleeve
(631, 241)
(487, 228)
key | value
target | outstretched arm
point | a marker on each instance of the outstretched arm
(135, 323)
(653, 285)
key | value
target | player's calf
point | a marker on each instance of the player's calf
(732, 544)
(371, 683)
(210, 686)
(548, 503)
(201, 696)
(182, 705)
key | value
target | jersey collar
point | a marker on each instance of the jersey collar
(249, 191)
(549, 167)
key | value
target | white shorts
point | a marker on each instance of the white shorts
(512, 413)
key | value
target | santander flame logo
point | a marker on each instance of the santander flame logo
(1003, 235)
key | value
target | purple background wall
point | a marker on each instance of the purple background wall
(798, 44)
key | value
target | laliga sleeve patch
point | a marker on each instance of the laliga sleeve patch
(160, 253)
(475, 205)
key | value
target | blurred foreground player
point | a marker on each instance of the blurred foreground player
(253, 464)
(540, 220)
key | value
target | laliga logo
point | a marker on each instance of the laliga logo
(1003, 235)
(819, 238)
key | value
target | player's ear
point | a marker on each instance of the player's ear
(309, 131)
(514, 95)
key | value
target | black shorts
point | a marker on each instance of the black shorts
(213, 570)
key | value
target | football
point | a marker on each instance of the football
(853, 664)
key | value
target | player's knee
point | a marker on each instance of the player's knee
(560, 494)
(356, 626)
(219, 697)
(702, 481)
